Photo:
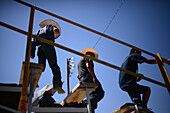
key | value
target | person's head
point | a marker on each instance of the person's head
(57, 29)
(56, 32)
(90, 53)
(48, 93)
(135, 51)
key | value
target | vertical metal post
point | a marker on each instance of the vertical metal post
(32, 75)
(24, 93)
(88, 101)
(136, 107)
(68, 73)
(163, 72)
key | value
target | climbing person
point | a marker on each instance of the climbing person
(129, 83)
(86, 74)
(50, 30)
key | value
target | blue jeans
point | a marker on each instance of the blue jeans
(48, 52)
(135, 92)
(96, 95)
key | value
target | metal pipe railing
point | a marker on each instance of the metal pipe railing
(89, 29)
(24, 93)
(80, 54)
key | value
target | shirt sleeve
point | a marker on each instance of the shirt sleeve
(138, 58)
(33, 44)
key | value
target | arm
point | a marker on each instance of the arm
(78, 76)
(166, 62)
(91, 71)
(150, 61)
(138, 79)
(153, 61)
(33, 48)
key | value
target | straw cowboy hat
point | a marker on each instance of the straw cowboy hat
(47, 22)
(90, 50)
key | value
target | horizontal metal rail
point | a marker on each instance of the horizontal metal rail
(80, 54)
(89, 29)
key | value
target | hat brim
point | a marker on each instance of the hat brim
(90, 50)
(47, 22)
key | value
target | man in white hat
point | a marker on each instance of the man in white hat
(86, 74)
(50, 30)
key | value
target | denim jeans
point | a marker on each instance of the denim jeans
(135, 92)
(48, 52)
(96, 95)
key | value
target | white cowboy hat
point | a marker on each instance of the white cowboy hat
(90, 50)
(47, 22)
(37, 97)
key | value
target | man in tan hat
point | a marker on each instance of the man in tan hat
(86, 74)
(50, 30)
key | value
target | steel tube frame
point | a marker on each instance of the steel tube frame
(80, 54)
(89, 29)
(24, 92)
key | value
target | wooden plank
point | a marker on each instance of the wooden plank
(126, 108)
(129, 107)
(37, 71)
(38, 68)
(79, 92)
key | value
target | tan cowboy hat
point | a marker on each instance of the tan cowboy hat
(47, 22)
(90, 50)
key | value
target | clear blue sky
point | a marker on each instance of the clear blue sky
(142, 23)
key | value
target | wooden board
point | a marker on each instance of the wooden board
(79, 92)
(38, 68)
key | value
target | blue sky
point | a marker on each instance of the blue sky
(142, 23)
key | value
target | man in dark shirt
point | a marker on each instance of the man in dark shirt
(50, 30)
(128, 82)
(86, 74)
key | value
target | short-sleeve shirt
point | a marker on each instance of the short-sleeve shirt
(130, 63)
(82, 69)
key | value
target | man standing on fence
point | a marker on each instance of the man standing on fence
(50, 30)
(86, 74)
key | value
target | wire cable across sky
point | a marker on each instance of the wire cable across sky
(110, 22)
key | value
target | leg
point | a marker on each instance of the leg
(41, 57)
(146, 96)
(95, 97)
(88, 101)
(135, 91)
(52, 60)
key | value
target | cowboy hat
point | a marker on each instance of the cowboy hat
(37, 97)
(47, 22)
(90, 50)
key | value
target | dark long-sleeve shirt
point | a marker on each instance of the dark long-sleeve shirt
(45, 32)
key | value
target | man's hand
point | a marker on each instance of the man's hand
(95, 80)
(168, 61)
(32, 56)
(138, 79)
